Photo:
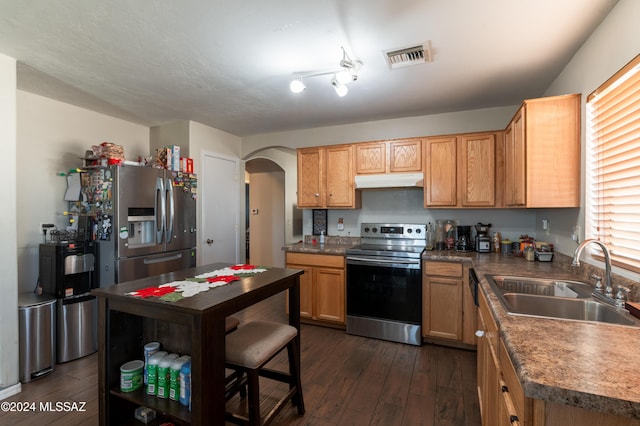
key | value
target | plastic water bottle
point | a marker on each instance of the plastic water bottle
(174, 377)
(185, 384)
(152, 372)
(163, 375)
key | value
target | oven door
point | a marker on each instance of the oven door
(385, 289)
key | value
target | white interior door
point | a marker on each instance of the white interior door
(220, 211)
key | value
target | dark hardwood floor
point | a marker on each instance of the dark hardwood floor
(346, 380)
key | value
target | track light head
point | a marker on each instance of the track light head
(297, 86)
(340, 88)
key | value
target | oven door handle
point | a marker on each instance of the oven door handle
(380, 261)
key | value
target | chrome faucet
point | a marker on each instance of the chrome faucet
(607, 262)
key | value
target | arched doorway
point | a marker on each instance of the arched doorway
(265, 215)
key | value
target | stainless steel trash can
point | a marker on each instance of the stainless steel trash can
(37, 335)
(77, 327)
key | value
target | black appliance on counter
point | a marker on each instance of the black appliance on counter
(464, 242)
(68, 272)
(384, 282)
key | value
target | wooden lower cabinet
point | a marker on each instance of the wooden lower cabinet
(322, 286)
(501, 395)
(447, 307)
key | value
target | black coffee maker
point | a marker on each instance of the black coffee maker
(483, 240)
(464, 242)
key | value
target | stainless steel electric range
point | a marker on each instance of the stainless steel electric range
(384, 282)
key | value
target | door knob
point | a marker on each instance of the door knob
(209, 241)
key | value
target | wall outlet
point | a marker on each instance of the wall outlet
(545, 226)
(575, 233)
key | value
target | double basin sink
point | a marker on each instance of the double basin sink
(560, 299)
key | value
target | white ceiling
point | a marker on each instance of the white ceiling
(227, 64)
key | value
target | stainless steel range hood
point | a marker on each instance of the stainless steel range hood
(391, 180)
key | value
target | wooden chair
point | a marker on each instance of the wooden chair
(248, 350)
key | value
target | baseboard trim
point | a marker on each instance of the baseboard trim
(10, 391)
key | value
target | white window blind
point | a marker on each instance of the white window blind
(613, 165)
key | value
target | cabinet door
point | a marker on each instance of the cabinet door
(306, 290)
(310, 177)
(515, 179)
(371, 157)
(329, 295)
(469, 315)
(488, 376)
(481, 365)
(339, 172)
(443, 308)
(405, 156)
(491, 412)
(477, 155)
(440, 172)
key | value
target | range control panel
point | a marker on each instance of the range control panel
(393, 230)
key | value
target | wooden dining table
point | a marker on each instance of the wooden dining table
(194, 326)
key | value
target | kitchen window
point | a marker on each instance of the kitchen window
(613, 165)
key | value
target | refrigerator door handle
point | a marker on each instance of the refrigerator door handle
(162, 259)
(169, 190)
(161, 205)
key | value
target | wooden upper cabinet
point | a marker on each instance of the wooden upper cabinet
(543, 153)
(405, 156)
(440, 188)
(461, 170)
(339, 171)
(515, 160)
(325, 177)
(371, 157)
(310, 177)
(477, 154)
(394, 156)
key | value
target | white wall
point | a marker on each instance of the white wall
(426, 125)
(612, 45)
(175, 133)
(52, 138)
(8, 269)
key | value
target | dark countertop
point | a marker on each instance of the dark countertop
(338, 249)
(587, 365)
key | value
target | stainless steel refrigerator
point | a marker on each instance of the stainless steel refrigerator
(147, 221)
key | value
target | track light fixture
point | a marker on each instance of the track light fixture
(347, 73)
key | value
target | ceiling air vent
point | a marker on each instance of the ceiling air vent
(414, 55)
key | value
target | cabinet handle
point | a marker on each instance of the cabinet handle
(513, 418)
(316, 195)
(479, 333)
